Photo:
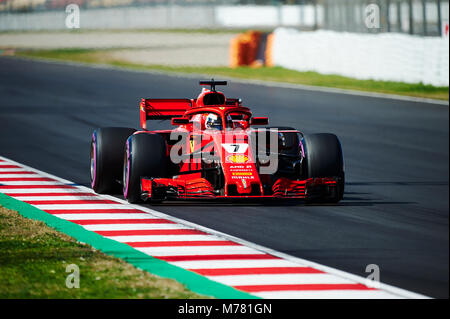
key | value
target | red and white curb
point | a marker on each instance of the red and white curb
(232, 261)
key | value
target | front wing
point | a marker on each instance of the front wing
(199, 188)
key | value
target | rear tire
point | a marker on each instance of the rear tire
(144, 156)
(107, 158)
(324, 158)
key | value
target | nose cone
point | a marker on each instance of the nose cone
(239, 167)
(243, 186)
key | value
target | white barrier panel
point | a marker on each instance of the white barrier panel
(386, 56)
(267, 16)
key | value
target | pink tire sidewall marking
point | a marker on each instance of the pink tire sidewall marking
(94, 175)
(127, 163)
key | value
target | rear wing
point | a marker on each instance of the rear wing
(161, 109)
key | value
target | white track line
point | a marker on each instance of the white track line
(68, 197)
(386, 291)
(90, 216)
(108, 227)
(166, 238)
(25, 175)
(82, 206)
(243, 263)
(68, 191)
(328, 294)
(11, 170)
(30, 183)
(279, 279)
(198, 250)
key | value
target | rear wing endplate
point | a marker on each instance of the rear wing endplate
(161, 109)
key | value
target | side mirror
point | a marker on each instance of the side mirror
(180, 121)
(259, 121)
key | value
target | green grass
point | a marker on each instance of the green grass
(34, 257)
(276, 74)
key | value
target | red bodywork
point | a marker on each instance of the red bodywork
(234, 162)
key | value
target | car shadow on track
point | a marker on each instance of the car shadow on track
(399, 183)
(349, 200)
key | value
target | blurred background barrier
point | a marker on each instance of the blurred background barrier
(391, 40)
(244, 49)
(252, 48)
(423, 17)
(386, 56)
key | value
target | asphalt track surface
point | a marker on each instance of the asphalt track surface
(396, 204)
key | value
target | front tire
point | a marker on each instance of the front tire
(107, 158)
(324, 158)
(144, 156)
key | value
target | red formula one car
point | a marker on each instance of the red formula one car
(217, 149)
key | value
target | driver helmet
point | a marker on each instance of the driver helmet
(213, 121)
